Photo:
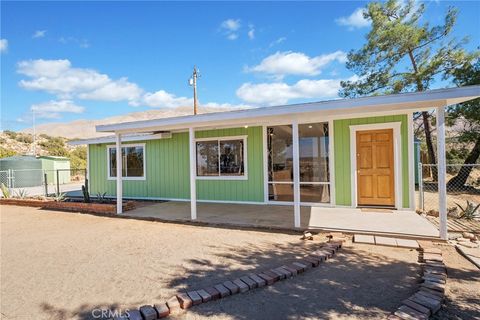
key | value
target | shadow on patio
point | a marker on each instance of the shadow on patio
(393, 222)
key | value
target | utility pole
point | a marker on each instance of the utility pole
(34, 135)
(193, 82)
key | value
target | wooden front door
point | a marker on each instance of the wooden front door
(375, 171)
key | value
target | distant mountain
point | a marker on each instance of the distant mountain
(82, 129)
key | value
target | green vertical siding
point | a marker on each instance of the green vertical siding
(343, 177)
(167, 170)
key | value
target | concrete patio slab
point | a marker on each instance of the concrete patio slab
(407, 243)
(396, 223)
(362, 238)
(384, 241)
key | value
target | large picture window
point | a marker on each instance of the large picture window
(133, 162)
(223, 157)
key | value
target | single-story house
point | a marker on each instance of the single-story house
(338, 153)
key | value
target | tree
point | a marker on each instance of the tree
(469, 113)
(403, 55)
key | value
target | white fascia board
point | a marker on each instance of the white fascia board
(405, 102)
(126, 138)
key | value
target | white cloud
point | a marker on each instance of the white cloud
(251, 32)
(280, 93)
(54, 108)
(231, 24)
(58, 77)
(82, 43)
(296, 63)
(3, 45)
(164, 99)
(230, 28)
(39, 34)
(354, 21)
(278, 41)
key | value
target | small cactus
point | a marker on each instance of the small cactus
(86, 194)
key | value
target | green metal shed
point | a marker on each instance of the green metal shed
(51, 164)
(25, 171)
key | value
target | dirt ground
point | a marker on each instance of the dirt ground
(57, 265)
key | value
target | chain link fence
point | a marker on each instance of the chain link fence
(39, 182)
(461, 187)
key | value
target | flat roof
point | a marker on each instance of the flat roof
(402, 102)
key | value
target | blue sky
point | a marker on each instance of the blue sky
(90, 60)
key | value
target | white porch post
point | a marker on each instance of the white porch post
(193, 165)
(442, 172)
(119, 161)
(296, 175)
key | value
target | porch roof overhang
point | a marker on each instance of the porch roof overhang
(394, 103)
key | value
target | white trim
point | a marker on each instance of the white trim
(397, 151)
(296, 174)
(142, 178)
(88, 165)
(331, 164)
(442, 173)
(118, 148)
(126, 138)
(411, 162)
(244, 138)
(394, 102)
(193, 172)
(265, 163)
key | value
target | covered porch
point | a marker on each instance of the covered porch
(397, 223)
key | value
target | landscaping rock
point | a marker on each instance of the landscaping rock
(174, 305)
(249, 282)
(205, 295)
(434, 286)
(195, 297)
(408, 313)
(293, 271)
(432, 304)
(268, 279)
(162, 310)
(184, 300)
(134, 315)
(232, 287)
(314, 261)
(285, 272)
(420, 308)
(469, 235)
(148, 313)
(243, 287)
(278, 273)
(214, 293)
(259, 281)
(222, 289)
(301, 265)
(274, 275)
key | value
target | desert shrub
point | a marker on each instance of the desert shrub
(5, 152)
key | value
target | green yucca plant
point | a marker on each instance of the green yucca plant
(5, 191)
(470, 211)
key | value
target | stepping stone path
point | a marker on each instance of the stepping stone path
(187, 299)
(431, 293)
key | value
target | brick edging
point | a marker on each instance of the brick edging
(430, 295)
(187, 299)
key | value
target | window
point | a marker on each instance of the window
(133, 162)
(314, 163)
(223, 157)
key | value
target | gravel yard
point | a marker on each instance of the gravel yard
(57, 265)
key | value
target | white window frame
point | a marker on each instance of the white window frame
(144, 177)
(220, 177)
(331, 175)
